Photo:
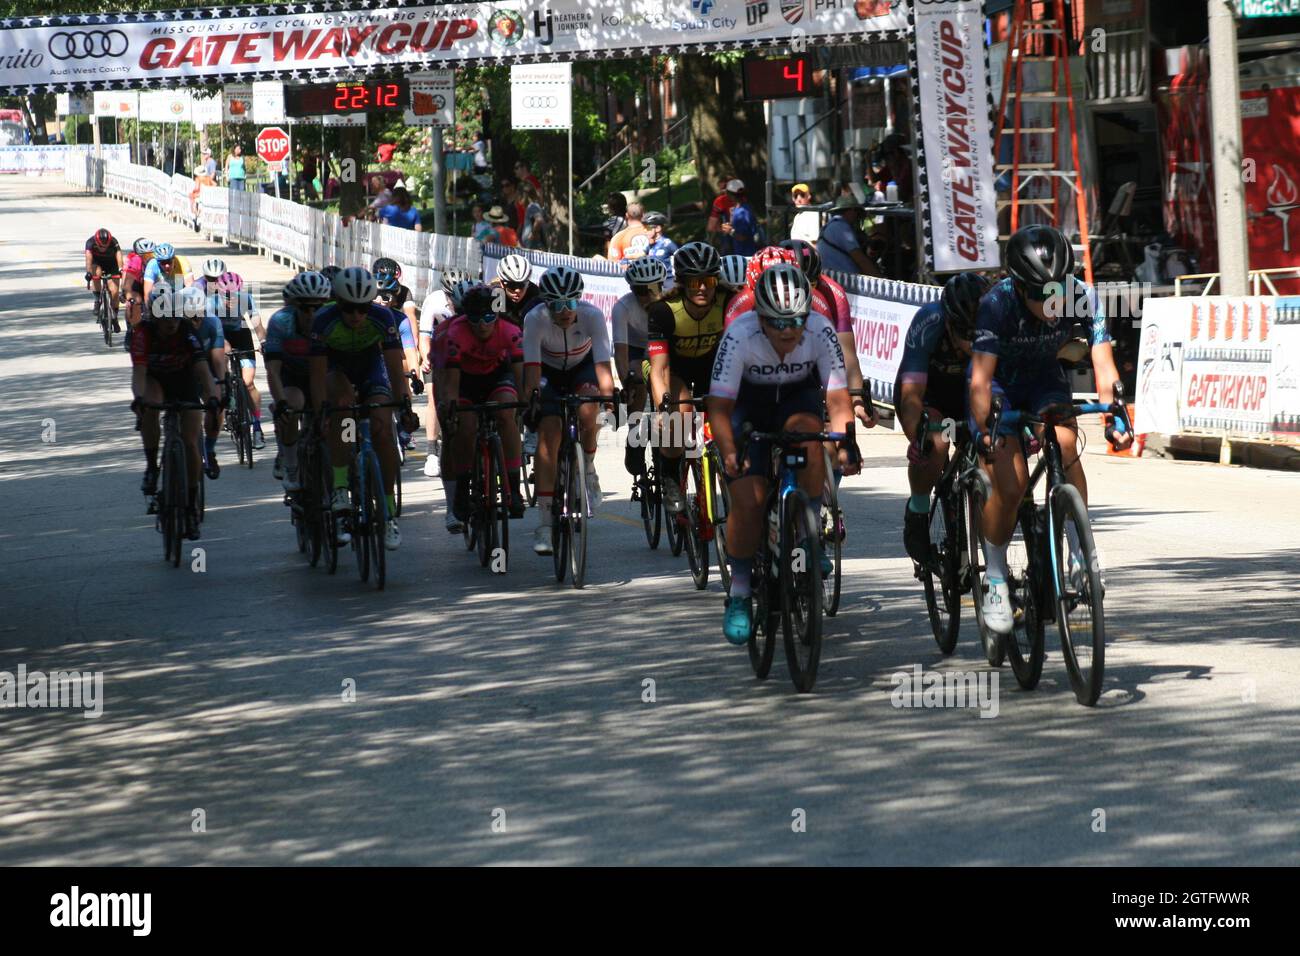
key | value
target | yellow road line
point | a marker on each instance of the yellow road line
(619, 518)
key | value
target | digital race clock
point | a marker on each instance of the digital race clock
(786, 78)
(340, 99)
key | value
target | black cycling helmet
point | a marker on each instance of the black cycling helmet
(103, 239)
(654, 219)
(960, 302)
(386, 264)
(696, 259)
(330, 272)
(1038, 256)
(809, 261)
(477, 303)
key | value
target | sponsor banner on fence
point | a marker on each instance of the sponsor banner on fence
(879, 333)
(956, 135)
(51, 159)
(305, 41)
(74, 104)
(124, 105)
(541, 96)
(1220, 364)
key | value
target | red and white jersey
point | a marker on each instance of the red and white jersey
(746, 356)
(545, 343)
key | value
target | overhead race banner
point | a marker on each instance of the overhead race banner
(329, 39)
(955, 136)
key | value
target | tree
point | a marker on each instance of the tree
(728, 135)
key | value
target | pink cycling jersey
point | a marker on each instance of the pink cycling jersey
(476, 356)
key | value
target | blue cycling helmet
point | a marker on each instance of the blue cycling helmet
(164, 252)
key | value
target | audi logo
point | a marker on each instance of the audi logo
(540, 102)
(83, 44)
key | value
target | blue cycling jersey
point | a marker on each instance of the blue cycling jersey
(1025, 346)
(210, 334)
(284, 343)
(928, 350)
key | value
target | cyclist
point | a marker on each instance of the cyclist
(165, 266)
(735, 271)
(566, 352)
(212, 338)
(661, 247)
(774, 368)
(932, 378)
(646, 277)
(167, 365)
(484, 363)
(212, 269)
(1018, 333)
(133, 282)
(437, 309)
(397, 297)
(743, 300)
(231, 303)
(288, 343)
(104, 259)
(356, 356)
(515, 277)
(683, 329)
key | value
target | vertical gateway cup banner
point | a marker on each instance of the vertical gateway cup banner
(301, 42)
(956, 134)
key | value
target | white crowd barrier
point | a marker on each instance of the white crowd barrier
(307, 238)
(55, 158)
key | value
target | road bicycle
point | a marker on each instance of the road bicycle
(105, 306)
(305, 504)
(1049, 581)
(171, 501)
(698, 476)
(787, 574)
(488, 525)
(955, 565)
(239, 409)
(368, 516)
(570, 507)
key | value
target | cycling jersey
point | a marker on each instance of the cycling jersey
(165, 355)
(476, 356)
(210, 334)
(436, 308)
(331, 336)
(134, 266)
(837, 303)
(404, 328)
(230, 313)
(106, 258)
(671, 330)
(746, 357)
(397, 300)
(742, 301)
(663, 249)
(1025, 346)
(285, 343)
(180, 269)
(515, 311)
(629, 320)
(545, 343)
(928, 349)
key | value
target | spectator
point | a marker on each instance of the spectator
(720, 212)
(534, 232)
(616, 211)
(807, 224)
(385, 152)
(513, 204)
(632, 241)
(209, 164)
(480, 154)
(307, 174)
(661, 247)
(894, 166)
(383, 197)
(482, 231)
(506, 236)
(525, 176)
(743, 227)
(841, 244)
(401, 213)
(236, 173)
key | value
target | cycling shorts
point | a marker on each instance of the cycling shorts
(367, 373)
(177, 386)
(107, 266)
(477, 389)
(946, 393)
(1031, 396)
(694, 373)
(557, 384)
(767, 409)
(291, 377)
(242, 338)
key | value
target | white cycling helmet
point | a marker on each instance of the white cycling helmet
(646, 271)
(459, 290)
(782, 293)
(452, 278)
(560, 283)
(213, 267)
(355, 286)
(733, 272)
(514, 268)
(308, 287)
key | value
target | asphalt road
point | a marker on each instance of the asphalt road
(502, 719)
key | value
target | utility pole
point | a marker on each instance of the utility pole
(1225, 130)
(439, 181)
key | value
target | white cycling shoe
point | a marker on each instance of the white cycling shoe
(997, 608)
(340, 500)
(392, 535)
(433, 464)
(594, 493)
(542, 540)
(291, 481)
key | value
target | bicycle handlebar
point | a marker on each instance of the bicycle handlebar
(489, 407)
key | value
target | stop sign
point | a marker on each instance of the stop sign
(272, 145)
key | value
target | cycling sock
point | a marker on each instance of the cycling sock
(290, 453)
(544, 499)
(257, 418)
(341, 476)
(210, 444)
(591, 459)
(919, 504)
(741, 571)
(151, 458)
(391, 500)
(995, 560)
(449, 490)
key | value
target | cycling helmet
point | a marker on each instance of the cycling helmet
(193, 303)
(164, 252)
(782, 293)
(477, 302)
(733, 272)
(696, 259)
(103, 239)
(961, 299)
(646, 271)
(386, 264)
(387, 282)
(806, 254)
(1038, 256)
(329, 272)
(213, 267)
(355, 286)
(228, 283)
(654, 219)
(308, 287)
(514, 269)
(142, 247)
(767, 256)
(459, 291)
(452, 278)
(560, 283)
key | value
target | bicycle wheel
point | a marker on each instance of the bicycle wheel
(801, 589)
(200, 502)
(652, 512)
(485, 502)
(528, 479)
(722, 508)
(397, 492)
(1025, 643)
(672, 527)
(106, 318)
(560, 505)
(1080, 617)
(767, 609)
(235, 416)
(579, 510)
(832, 544)
(325, 515)
(377, 520)
(360, 520)
(246, 418)
(940, 575)
(505, 497)
(975, 493)
(697, 548)
(177, 496)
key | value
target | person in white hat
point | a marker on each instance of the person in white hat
(720, 212)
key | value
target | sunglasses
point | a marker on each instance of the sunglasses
(1037, 293)
(515, 286)
(695, 283)
(563, 305)
(486, 318)
(640, 290)
(795, 322)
